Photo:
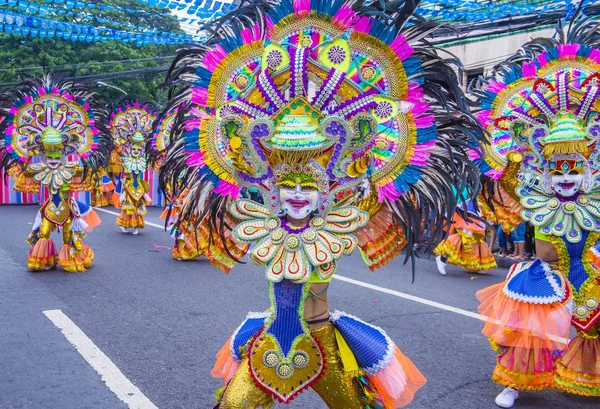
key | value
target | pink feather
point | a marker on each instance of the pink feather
(595, 55)
(421, 153)
(568, 50)
(250, 34)
(424, 121)
(345, 17)
(542, 59)
(495, 86)
(484, 117)
(199, 95)
(227, 189)
(388, 191)
(196, 159)
(363, 25)
(529, 69)
(401, 47)
(214, 57)
(302, 8)
(269, 26)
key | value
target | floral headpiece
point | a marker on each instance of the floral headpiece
(347, 91)
(542, 110)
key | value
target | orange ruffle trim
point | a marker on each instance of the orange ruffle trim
(42, 256)
(523, 325)
(466, 253)
(379, 241)
(78, 262)
(130, 221)
(523, 381)
(412, 378)
(507, 211)
(578, 371)
(99, 199)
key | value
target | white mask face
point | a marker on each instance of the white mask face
(136, 151)
(53, 162)
(299, 202)
(566, 185)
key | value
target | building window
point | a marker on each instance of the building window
(472, 76)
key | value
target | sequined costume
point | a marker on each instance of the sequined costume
(54, 140)
(542, 110)
(308, 100)
(131, 129)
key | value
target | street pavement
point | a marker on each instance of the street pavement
(162, 321)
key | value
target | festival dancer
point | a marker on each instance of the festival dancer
(542, 108)
(466, 246)
(131, 128)
(53, 137)
(103, 188)
(318, 102)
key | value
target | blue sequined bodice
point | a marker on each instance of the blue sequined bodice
(287, 325)
(577, 274)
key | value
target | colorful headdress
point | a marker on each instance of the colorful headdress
(131, 122)
(542, 108)
(51, 115)
(162, 130)
(323, 85)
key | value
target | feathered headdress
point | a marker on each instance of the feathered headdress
(543, 103)
(338, 85)
(130, 125)
(131, 121)
(52, 115)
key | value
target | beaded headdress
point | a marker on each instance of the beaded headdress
(52, 116)
(131, 122)
(542, 108)
(336, 85)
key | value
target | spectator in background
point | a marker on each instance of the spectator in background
(518, 236)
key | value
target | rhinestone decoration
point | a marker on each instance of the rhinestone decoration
(336, 54)
(317, 222)
(569, 207)
(368, 73)
(309, 235)
(292, 242)
(277, 235)
(581, 311)
(285, 371)
(591, 303)
(553, 203)
(270, 359)
(272, 223)
(583, 200)
(383, 109)
(274, 58)
(300, 359)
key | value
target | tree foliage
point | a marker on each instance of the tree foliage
(18, 54)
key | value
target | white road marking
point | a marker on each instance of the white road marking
(111, 375)
(116, 214)
(399, 294)
(412, 298)
(425, 301)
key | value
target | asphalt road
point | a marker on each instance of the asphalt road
(162, 321)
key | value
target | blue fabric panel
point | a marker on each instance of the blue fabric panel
(287, 325)
(83, 208)
(247, 330)
(577, 274)
(368, 343)
(532, 282)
